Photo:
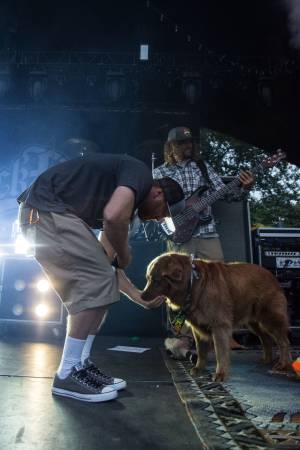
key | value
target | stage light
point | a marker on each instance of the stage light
(144, 52)
(26, 294)
(18, 309)
(37, 85)
(115, 85)
(41, 310)
(20, 285)
(192, 87)
(56, 332)
(21, 245)
(43, 285)
(265, 91)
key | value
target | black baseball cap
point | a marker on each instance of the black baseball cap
(179, 134)
(173, 194)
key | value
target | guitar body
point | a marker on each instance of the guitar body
(202, 218)
(184, 229)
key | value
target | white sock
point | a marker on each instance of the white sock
(71, 356)
(87, 347)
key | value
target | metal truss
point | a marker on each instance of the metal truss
(106, 59)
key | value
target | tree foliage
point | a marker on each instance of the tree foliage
(275, 197)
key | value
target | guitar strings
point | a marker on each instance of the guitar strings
(189, 212)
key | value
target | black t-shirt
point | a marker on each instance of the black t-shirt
(84, 185)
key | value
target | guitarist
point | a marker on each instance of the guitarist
(184, 164)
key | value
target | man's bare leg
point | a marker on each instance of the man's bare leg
(97, 322)
(79, 328)
(86, 322)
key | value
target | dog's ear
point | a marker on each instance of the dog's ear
(173, 273)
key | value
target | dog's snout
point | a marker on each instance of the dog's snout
(150, 292)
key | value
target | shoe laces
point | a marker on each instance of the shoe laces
(83, 377)
(95, 371)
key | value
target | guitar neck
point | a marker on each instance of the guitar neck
(201, 203)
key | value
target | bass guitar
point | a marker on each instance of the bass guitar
(181, 227)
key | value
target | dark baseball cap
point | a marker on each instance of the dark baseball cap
(173, 194)
(179, 134)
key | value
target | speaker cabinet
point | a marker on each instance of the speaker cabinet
(22, 298)
(233, 226)
(278, 250)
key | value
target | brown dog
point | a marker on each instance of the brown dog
(216, 297)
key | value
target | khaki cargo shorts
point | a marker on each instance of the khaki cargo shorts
(74, 261)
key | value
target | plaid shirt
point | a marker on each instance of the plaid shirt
(190, 178)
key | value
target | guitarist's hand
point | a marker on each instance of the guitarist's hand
(247, 179)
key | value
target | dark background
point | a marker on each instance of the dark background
(228, 65)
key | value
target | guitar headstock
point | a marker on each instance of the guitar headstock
(274, 159)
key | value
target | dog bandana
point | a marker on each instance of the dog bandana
(178, 321)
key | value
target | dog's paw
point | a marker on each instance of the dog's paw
(195, 371)
(220, 376)
(282, 367)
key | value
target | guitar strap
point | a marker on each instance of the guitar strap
(203, 169)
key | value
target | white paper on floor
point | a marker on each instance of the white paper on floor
(125, 348)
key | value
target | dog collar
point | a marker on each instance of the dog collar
(194, 273)
(188, 298)
(179, 319)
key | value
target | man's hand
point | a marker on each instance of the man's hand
(135, 296)
(247, 179)
(156, 303)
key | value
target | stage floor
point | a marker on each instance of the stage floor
(162, 407)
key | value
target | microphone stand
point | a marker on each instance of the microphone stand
(153, 159)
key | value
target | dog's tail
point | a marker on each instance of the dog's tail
(176, 350)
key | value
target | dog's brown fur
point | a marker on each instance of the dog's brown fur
(223, 297)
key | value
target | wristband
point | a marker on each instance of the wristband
(115, 263)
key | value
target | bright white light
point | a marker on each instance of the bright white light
(43, 285)
(41, 310)
(144, 52)
(21, 245)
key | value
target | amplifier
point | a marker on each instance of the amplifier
(25, 295)
(278, 249)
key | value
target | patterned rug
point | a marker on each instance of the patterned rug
(255, 409)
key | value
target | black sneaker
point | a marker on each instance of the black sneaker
(95, 373)
(80, 386)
